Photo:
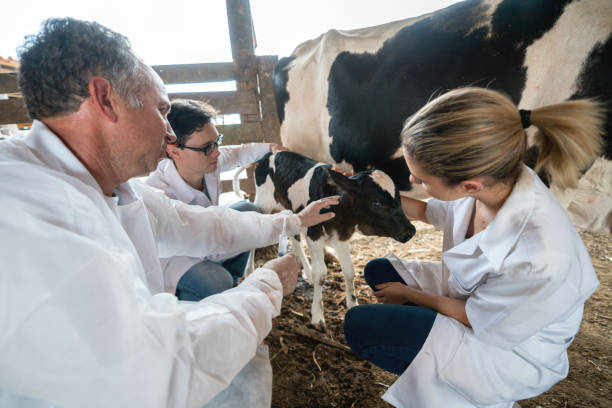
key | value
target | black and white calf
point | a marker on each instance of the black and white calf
(370, 203)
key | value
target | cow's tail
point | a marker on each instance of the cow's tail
(236, 181)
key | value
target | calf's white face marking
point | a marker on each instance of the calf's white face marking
(384, 181)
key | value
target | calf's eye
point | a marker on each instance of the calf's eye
(376, 204)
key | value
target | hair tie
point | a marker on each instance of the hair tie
(525, 117)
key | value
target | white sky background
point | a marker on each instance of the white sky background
(190, 31)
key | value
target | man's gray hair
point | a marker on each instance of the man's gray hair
(57, 64)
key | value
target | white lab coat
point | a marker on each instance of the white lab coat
(525, 278)
(167, 178)
(81, 321)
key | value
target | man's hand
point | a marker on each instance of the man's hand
(310, 215)
(392, 293)
(287, 268)
(277, 148)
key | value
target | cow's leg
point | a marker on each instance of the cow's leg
(343, 252)
(317, 251)
(299, 251)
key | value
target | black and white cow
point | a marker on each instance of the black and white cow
(370, 203)
(342, 98)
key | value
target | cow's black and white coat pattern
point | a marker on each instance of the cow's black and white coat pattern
(370, 203)
(355, 88)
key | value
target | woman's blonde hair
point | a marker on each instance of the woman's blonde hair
(472, 132)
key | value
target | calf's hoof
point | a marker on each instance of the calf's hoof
(319, 326)
(350, 304)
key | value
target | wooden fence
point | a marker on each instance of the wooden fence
(11, 109)
(253, 99)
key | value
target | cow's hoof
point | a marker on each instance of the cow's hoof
(352, 302)
(319, 326)
(351, 305)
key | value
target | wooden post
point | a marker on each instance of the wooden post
(12, 110)
(253, 74)
(243, 49)
(240, 25)
(270, 123)
(242, 39)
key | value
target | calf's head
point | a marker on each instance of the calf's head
(373, 203)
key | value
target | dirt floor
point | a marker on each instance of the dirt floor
(312, 369)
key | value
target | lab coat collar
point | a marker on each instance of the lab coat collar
(468, 246)
(181, 190)
(501, 234)
(462, 216)
(54, 154)
(126, 194)
(212, 184)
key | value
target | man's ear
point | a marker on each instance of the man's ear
(103, 97)
(470, 187)
(343, 182)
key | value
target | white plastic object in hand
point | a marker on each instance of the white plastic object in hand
(283, 244)
(283, 240)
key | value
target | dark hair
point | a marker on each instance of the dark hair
(57, 64)
(187, 116)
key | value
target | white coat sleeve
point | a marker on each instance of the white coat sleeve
(191, 230)
(225, 330)
(239, 155)
(79, 328)
(435, 212)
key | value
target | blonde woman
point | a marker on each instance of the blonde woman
(491, 322)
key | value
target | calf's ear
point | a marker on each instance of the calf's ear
(343, 182)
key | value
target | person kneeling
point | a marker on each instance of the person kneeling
(192, 174)
(490, 324)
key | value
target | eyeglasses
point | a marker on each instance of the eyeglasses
(208, 148)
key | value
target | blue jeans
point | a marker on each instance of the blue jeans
(208, 277)
(389, 336)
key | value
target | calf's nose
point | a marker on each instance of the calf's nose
(409, 233)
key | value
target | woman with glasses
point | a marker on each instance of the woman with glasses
(192, 174)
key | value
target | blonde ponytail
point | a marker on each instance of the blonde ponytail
(569, 138)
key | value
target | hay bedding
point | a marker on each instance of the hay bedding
(312, 369)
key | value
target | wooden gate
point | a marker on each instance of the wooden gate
(253, 99)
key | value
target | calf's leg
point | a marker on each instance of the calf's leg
(343, 252)
(299, 251)
(318, 278)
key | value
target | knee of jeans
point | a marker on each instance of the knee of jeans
(245, 206)
(372, 268)
(205, 279)
(352, 326)
(222, 282)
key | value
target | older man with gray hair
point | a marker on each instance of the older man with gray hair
(84, 321)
